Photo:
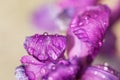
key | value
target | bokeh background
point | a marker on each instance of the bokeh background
(15, 26)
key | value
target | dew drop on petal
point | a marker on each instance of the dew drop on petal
(43, 71)
(100, 43)
(45, 33)
(81, 23)
(30, 50)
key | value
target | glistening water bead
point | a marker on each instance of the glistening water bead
(100, 72)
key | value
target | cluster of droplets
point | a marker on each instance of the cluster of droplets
(46, 59)
(64, 70)
(100, 72)
(44, 47)
(88, 29)
(91, 18)
(48, 66)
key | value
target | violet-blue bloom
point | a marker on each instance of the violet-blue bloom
(46, 47)
(86, 32)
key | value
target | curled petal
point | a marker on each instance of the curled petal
(46, 47)
(87, 30)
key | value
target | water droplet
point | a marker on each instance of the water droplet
(105, 24)
(30, 50)
(75, 20)
(36, 35)
(87, 17)
(53, 67)
(81, 23)
(100, 44)
(56, 34)
(45, 33)
(96, 73)
(32, 61)
(54, 56)
(50, 78)
(43, 71)
(106, 68)
(106, 64)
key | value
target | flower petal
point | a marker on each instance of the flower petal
(46, 47)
